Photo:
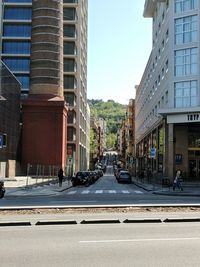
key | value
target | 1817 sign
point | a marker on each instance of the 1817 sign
(193, 117)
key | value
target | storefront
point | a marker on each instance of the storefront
(176, 145)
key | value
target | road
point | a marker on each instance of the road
(107, 245)
(106, 191)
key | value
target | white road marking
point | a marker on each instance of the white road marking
(112, 191)
(71, 192)
(85, 192)
(139, 240)
(138, 192)
(125, 192)
(98, 191)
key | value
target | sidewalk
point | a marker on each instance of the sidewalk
(19, 186)
(189, 188)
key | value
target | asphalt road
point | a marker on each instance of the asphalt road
(106, 191)
(107, 245)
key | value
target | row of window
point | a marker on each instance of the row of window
(186, 93)
(186, 62)
(185, 5)
(186, 30)
(25, 13)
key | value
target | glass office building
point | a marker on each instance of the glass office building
(16, 51)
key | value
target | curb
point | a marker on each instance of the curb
(176, 194)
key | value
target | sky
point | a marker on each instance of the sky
(119, 45)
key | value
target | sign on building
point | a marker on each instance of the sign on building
(153, 152)
(1, 141)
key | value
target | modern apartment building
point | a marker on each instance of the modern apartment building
(16, 54)
(168, 96)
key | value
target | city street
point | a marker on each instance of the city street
(135, 244)
(106, 191)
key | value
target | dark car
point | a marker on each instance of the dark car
(124, 177)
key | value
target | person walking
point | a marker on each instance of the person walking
(60, 177)
(178, 181)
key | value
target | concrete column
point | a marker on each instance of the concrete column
(171, 155)
(46, 76)
(44, 134)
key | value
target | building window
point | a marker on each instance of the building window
(69, 31)
(12, 47)
(70, 99)
(69, 48)
(185, 5)
(21, 13)
(69, 13)
(17, 64)
(186, 62)
(186, 94)
(18, 1)
(69, 65)
(13, 30)
(186, 30)
(70, 1)
(24, 80)
(69, 82)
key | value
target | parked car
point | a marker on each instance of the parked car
(82, 178)
(124, 177)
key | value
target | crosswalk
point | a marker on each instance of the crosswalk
(85, 192)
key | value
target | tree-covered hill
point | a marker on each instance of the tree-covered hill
(112, 113)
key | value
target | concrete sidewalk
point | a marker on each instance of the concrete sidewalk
(189, 188)
(19, 186)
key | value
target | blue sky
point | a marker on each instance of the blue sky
(119, 45)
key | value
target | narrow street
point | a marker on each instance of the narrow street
(105, 191)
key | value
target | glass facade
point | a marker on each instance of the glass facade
(18, 1)
(186, 94)
(12, 30)
(24, 80)
(186, 62)
(17, 64)
(18, 13)
(16, 47)
(185, 5)
(186, 30)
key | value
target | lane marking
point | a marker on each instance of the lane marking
(85, 192)
(125, 192)
(71, 193)
(138, 240)
(98, 191)
(112, 191)
(138, 192)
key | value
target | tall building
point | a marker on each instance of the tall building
(16, 54)
(168, 96)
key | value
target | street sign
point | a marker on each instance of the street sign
(1, 141)
(153, 152)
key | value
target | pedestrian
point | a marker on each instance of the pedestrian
(60, 177)
(177, 181)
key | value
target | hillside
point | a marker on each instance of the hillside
(112, 113)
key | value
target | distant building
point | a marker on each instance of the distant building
(167, 98)
(101, 136)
